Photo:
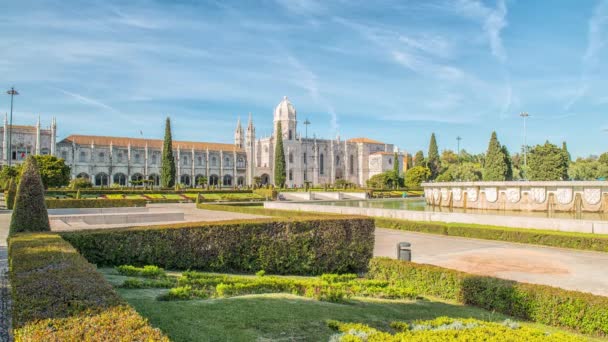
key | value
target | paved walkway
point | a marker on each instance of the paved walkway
(565, 268)
(5, 294)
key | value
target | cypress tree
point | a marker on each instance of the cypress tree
(167, 172)
(433, 162)
(509, 162)
(396, 170)
(11, 192)
(495, 166)
(279, 159)
(419, 159)
(29, 211)
(566, 153)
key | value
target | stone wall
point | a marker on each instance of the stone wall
(558, 196)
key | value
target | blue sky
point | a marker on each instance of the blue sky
(390, 70)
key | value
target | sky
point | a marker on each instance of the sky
(394, 71)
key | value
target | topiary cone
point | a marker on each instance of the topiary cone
(29, 212)
(11, 193)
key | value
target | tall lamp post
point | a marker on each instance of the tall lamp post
(525, 116)
(12, 92)
(306, 123)
(458, 138)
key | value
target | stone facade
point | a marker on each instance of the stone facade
(26, 140)
(559, 196)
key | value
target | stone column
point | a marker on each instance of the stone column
(178, 177)
(37, 152)
(221, 176)
(207, 166)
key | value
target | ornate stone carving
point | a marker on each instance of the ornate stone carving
(491, 194)
(435, 195)
(457, 194)
(444, 194)
(539, 195)
(563, 195)
(472, 194)
(592, 196)
(513, 195)
(428, 193)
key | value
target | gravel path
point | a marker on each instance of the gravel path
(5, 293)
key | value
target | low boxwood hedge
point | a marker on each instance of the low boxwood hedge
(93, 203)
(59, 296)
(582, 241)
(132, 191)
(582, 312)
(278, 246)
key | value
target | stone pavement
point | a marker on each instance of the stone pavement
(565, 268)
(5, 296)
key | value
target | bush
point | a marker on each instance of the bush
(266, 193)
(94, 203)
(80, 183)
(301, 246)
(583, 312)
(582, 241)
(447, 329)
(29, 211)
(148, 271)
(59, 296)
(10, 194)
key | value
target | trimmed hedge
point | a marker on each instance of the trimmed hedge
(59, 296)
(582, 312)
(582, 241)
(131, 191)
(93, 203)
(256, 209)
(266, 193)
(306, 247)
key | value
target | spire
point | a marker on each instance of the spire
(238, 125)
(250, 123)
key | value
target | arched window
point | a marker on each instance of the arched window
(185, 160)
(83, 156)
(290, 157)
(185, 179)
(119, 158)
(227, 180)
(120, 179)
(101, 156)
(290, 174)
(198, 180)
(351, 163)
(155, 179)
(321, 164)
(226, 162)
(337, 160)
(199, 160)
(153, 158)
(213, 161)
(213, 180)
(136, 179)
(240, 181)
(289, 134)
(101, 179)
(64, 155)
(137, 158)
(240, 162)
(83, 175)
(390, 161)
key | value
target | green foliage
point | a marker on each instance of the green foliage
(93, 203)
(285, 246)
(148, 271)
(11, 193)
(417, 175)
(136, 283)
(396, 164)
(447, 329)
(29, 211)
(280, 172)
(167, 172)
(497, 166)
(582, 312)
(387, 179)
(582, 241)
(433, 162)
(80, 183)
(587, 169)
(603, 158)
(270, 194)
(565, 150)
(547, 163)
(9, 172)
(53, 170)
(59, 296)
(419, 159)
(465, 172)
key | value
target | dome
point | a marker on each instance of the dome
(285, 110)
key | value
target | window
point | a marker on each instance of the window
(64, 155)
(83, 156)
(119, 159)
(390, 161)
(101, 156)
(137, 158)
(290, 158)
(226, 162)
(337, 160)
(185, 158)
(213, 161)
(199, 160)
(321, 164)
(241, 162)
(289, 134)
(304, 158)
(290, 175)
(351, 163)
(154, 158)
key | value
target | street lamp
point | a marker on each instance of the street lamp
(306, 123)
(12, 92)
(458, 138)
(525, 116)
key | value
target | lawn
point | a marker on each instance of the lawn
(281, 316)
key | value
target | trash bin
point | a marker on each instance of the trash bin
(404, 252)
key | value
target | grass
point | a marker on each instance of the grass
(281, 316)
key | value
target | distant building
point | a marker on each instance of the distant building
(26, 140)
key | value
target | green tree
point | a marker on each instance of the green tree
(280, 174)
(603, 158)
(495, 167)
(433, 162)
(463, 172)
(396, 173)
(547, 163)
(565, 149)
(8, 173)
(417, 175)
(509, 162)
(29, 212)
(11, 192)
(167, 172)
(53, 171)
(419, 159)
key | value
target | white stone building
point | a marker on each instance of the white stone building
(26, 140)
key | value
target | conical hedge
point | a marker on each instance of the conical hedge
(280, 174)
(29, 211)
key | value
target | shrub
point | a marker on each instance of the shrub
(148, 271)
(59, 296)
(582, 241)
(295, 246)
(10, 194)
(447, 329)
(582, 312)
(80, 183)
(94, 203)
(29, 212)
(266, 193)
(135, 283)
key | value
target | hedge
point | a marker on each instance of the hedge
(59, 296)
(93, 203)
(582, 312)
(583, 241)
(296, 246)
(266, 193)
(132, 191)
(256, 209)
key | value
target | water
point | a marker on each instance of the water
(419, 204)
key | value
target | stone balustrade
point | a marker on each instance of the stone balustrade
(555, 196)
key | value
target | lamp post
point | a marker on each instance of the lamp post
(12, 92)
(525, 116)
(306, 123)
(458, 138)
